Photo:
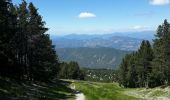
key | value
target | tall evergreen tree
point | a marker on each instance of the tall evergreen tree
(70, 71)
(42, 55)
(132, 76)
(144, 56)
(135, 68)
(123, 71)
(7, 32)
(26, 52)
(3, 30)
(21, 38)
(161, 66)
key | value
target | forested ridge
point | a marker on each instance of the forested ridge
(29, 66)
(96, 58)
(26, 51)
(150, 65)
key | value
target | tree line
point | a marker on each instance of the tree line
(71, 70)
(26, 51)
(150, 65)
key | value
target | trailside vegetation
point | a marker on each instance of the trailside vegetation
(149, 66)
(71, 70)
(26, 52)
(29, 65)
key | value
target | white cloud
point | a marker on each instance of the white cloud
(159, 2)
(86, 15)
(141, 28)
(137, 27)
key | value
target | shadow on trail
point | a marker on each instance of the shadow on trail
(16, 90)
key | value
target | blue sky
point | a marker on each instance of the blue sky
(101, 16)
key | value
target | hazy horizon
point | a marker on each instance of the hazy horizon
(101, 17)
(111, 33)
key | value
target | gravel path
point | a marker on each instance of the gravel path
(79, 95)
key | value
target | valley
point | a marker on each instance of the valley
(99, 51)
(108, 58)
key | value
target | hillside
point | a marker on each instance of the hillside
(121, 43)
(111, 91)
(92, 57)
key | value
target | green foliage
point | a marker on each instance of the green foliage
(8, 30)
(135, 68)
(26, 52)
(93, 57)
(70, 71)
(161, 62)
(147, 67)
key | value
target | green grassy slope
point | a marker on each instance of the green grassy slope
(60, 90)
(157, 93)
(111, 91)
(102, 91)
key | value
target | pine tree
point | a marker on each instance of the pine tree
(132, 76)
(166, 51)
(70, 71)
(21, 38)
(123, 71)
(135, 68)
(7, 31)
(145, 56)
(26, 51)
(42, 57)
(160, 73)
(3, 35)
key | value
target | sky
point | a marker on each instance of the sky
(101, 16)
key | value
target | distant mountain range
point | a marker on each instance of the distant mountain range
(92, 57)
(122, 41)
(138, 35)
(98, 51)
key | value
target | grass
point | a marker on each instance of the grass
(60, 90)
(102, 91)
(151, 94)
(111, 91)
(15, 90)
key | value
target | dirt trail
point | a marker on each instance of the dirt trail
(79, 95)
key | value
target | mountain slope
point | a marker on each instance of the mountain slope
(121, 43)
(92, 57)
